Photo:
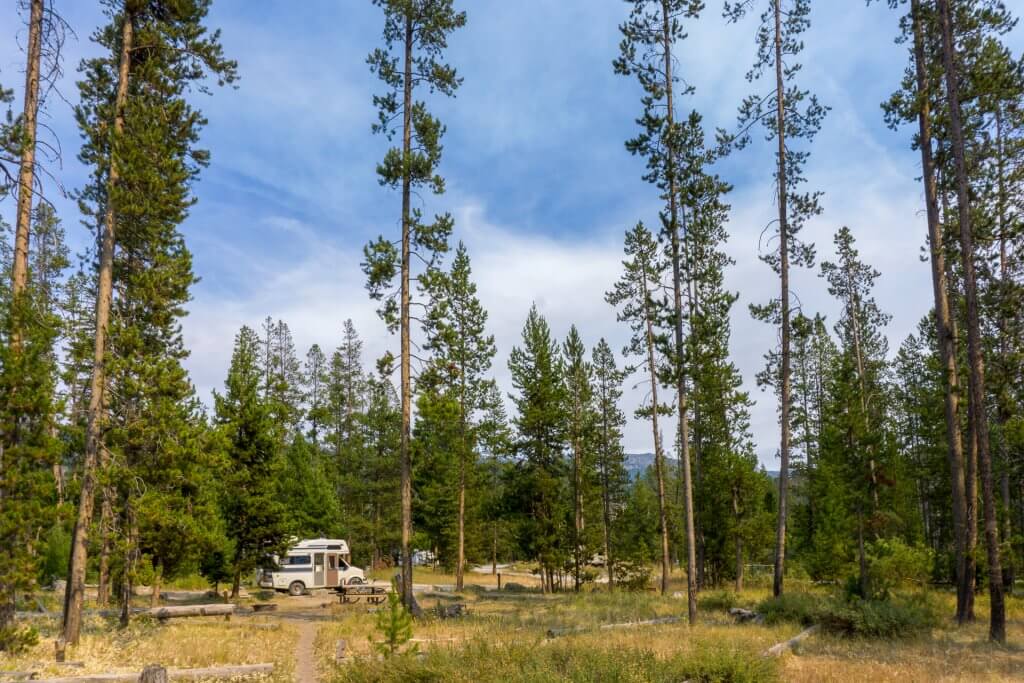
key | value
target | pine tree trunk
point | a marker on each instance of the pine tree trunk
(739, 542)
(460, 566)
(236, 584)
(943, 319)
(577, 485)
(26, 174)
(780, 94)
(659, 456)
(75, 594)
(976, 378)
(677, 302)
(405, 454)
(130, 562)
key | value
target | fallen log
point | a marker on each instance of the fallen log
(179, 611)
(225, 672)
(778, 649)
(16, 675)
(556, 632)
(744, 615)
(646, 622)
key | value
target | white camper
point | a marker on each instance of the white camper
(314, 563)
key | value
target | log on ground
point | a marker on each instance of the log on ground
(206, 673)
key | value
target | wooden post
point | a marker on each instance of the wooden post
(154, 673)
(499, 580)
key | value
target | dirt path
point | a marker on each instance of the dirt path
(305, 656)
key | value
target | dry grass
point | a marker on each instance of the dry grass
(511, 628)
(196, 642)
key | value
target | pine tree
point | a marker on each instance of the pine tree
(415, 35)
(462, 353)
(647, 51)
(140, 137)
(579, 393)
(540, 422)
(788, 114)
(634, 293)
(977, 423)
(252, 509)
(609, 455)
(283, 379)
(29, 449)
(317, 376)
(917, 102)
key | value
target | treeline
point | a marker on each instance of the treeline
(890, 463)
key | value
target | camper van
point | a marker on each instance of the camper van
(314, 563)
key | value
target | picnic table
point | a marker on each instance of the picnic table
(353, 593)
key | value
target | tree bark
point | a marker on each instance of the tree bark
(784, 371)
(659, 456)
(405, 454)
(677, 302)
(739, 541)
(976, 377)
(943, 318)
(26, 174)
(75, 595)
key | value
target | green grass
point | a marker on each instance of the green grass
(576, 662)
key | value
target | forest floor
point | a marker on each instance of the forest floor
(507, 635)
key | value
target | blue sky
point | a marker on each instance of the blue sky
(539, 182)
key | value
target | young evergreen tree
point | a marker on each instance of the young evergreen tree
(29, 406)
(140, 137)
(579, 394)
(607, 444)
(317, 376)
(788, 114)
(650, 36)
(253, 511)
(643, 273)
(540, 422)
(415, 36)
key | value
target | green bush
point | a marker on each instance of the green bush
(892, 618)
(801, 608)
(719, 600)
(15, 640)
(56, 555)
(632, 576)
(893, 564)
(523, 663)
(880, 618)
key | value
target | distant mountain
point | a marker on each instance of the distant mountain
(637, 463)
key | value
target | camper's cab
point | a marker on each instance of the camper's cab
(316, 563)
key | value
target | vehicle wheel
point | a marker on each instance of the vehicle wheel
(356, 581)
(296, 588)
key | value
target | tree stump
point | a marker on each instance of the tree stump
(154, 673)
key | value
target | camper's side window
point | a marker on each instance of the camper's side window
(332, 561)
(296, 560)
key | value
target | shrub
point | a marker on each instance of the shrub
(719, 600)
(631, 576)
(880, 618)
(802, 608)
(893, 564)
(56, 555)
(522, 663)
(15, 640)
(854, 617)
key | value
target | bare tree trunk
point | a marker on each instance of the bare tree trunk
(677, 301)
(459, 567)
(976, 377)
(943, 318)
(405, 454)
(130, 561)
(1004, 411)
(94, 432)
(26, 174)
(780, 94)
(236, 584)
